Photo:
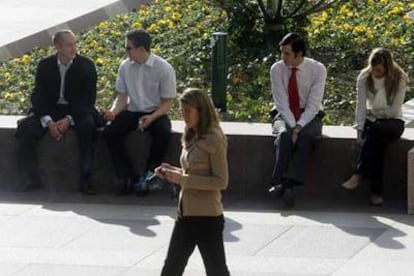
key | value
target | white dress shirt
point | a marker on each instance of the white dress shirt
(62, 71)
(146, 84)
(311, 79)
(372, 106)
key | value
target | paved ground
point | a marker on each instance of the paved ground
(49, 234)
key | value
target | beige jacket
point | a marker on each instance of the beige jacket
(205, 174)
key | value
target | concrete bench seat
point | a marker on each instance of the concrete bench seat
(250, 155)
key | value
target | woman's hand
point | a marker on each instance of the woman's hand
(159, 172)
(172, 175)
(169, 172)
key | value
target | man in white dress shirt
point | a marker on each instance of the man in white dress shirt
(298, 85)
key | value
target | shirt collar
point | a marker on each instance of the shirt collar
(300, 66)
(150, 61)
(61, 64)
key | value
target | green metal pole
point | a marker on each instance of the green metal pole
(219, 71)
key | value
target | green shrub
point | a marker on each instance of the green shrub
(343, 38)
(181, 31)
(339, 37)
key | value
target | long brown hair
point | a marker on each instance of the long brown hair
(394, 74)
(208, 117)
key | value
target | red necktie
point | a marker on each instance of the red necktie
(293, 94)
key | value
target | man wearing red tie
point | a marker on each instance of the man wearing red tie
(298, 85)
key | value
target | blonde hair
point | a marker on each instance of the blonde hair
(208, 117)
(394, 74)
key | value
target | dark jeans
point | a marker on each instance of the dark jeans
(126, 122)
(30, 131)
(378, 136)
(204, 232)
(291, 159)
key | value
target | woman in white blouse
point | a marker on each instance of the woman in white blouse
(381, 88)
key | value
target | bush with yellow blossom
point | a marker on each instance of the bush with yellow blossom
(181, 31)
(343, 38)
(340, 37)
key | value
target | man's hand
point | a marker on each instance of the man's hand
(54, 130)
(145, 121)
(63, 125)
(359, 139)
(109, 116)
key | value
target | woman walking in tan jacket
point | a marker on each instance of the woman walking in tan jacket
(202, 177)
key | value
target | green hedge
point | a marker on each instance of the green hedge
(340, 37)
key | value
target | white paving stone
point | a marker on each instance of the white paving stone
(55, 256)
(12, 209)
(43, 232)
(10, 269)
(121, 235)
(321, 242)
(132, 239)
(251, 238)
(68, 270)
(104, 211)
(377, 268)
(393, 244)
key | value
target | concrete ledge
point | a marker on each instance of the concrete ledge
(410, 180)
(250, 155)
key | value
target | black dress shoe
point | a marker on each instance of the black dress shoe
(29, 183)
(124, 186)
(277, 190)
(289, 197)
(87, 188)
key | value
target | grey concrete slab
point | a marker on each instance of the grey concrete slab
(408, 113)
(37, 232)
(245, 238)
(394, 244)
(377, 268)
(11, 269)
(27, 24)
(330, 242)
(3, 219)
(82, 238)
(240, 264)
(105, 211)
(56, 256)
(68, 270)
(124, 235)
(7, 209)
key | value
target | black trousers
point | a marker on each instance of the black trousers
(30, 131)
(126, 122)
(378, 136)
(204, 232)
(291, 159)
